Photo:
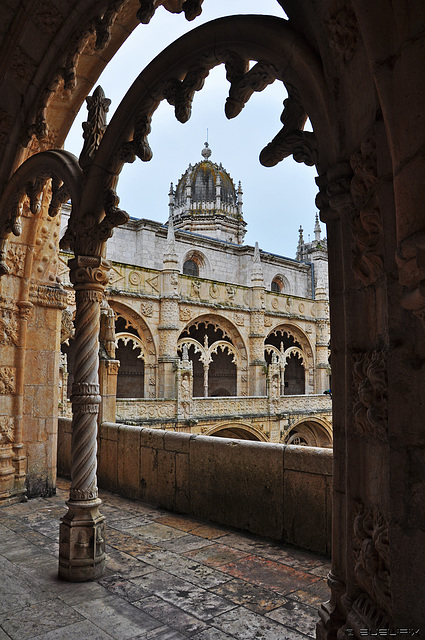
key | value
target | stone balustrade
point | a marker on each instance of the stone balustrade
(278, 491)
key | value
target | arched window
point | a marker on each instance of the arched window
(275, 287)
(190, 268)
(278, 284)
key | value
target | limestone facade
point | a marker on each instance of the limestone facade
(247, 326)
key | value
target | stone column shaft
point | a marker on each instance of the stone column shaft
(82, 532)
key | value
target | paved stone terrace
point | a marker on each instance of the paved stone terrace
(168, 577)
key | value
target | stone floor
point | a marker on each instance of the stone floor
(168, 577)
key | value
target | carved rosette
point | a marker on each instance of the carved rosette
(89, 276)
(370, 405)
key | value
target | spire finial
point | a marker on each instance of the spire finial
(206, 151)
(257, 277)
(317, 229)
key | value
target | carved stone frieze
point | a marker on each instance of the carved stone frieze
(6, 430)
(371, 551)
(7, 381)
(46, 296)
(370, 405)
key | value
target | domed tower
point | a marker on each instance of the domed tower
(206, 201)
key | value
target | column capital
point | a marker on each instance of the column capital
(89, 272)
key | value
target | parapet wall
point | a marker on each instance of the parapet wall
(278, 491)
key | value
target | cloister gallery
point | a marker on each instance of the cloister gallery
(356, 70)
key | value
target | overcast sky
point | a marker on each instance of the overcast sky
(276, 200)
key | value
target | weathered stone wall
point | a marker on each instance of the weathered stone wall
(277, 491)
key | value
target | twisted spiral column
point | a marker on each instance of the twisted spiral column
(85, 396)
(82, 532)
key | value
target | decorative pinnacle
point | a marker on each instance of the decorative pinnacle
(257, 270)
(317, 229)
(206, 151)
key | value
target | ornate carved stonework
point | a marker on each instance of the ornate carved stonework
(239, 319)
(371, 550)
(46, 296)
(16, 259)
(6, 430)
(22, 65)
(370, 406)
(146, 308)
(344, 33)
(47, 17)
(366, 224)
(7, 381)
(8, 327)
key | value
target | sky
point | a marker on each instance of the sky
(276, 200)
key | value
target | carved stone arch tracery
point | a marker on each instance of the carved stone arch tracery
(179, 71)
(227, 341)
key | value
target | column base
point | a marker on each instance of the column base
(82, 542)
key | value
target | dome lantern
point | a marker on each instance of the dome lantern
(207, 202)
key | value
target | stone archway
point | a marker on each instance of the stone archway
(218, 354)
(237, 430)
(370, 159)
(311, 433)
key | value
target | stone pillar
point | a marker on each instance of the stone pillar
(322, 355)
(273, 384)
(184, 384)
(334, 201)
(168, 328)
(82, 531)
(108, 376)
(257, 386)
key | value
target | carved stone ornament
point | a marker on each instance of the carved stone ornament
(410, 258)
(343, 33)
(291, 139)
(366, 225)
(46, 296)
(67, 326)
(371, 555)
(16, 259)
(192, 8)
(9, 334)
(146, 308)
(94, 128)
(185, 314)
(334, 198)
(7, 381)
(6, 430)
(370, 406)
(89, 270)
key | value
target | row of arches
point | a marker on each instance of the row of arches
(311, 432)
(216, 349)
